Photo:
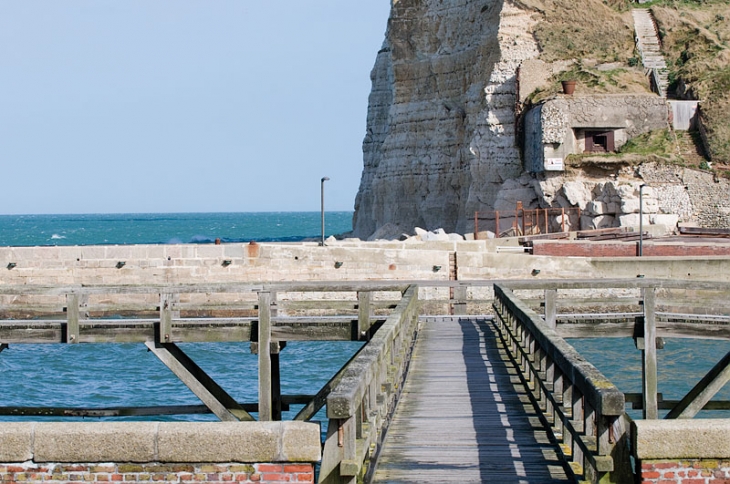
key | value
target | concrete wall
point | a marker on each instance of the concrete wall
(159, 451)
(686, 451)
(360, 261)
(563, 120)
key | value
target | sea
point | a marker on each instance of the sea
(127, 375)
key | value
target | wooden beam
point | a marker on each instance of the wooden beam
(649, 364)
(703, 392)
(202, 385)
(265, 397)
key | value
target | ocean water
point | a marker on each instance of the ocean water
(168, 228)
(120, 375)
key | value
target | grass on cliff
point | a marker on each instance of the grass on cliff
(695, 38)
(696, 43)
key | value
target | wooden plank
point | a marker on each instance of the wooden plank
(212, 395)
(703, 392)
(265, 397)
(463, 417)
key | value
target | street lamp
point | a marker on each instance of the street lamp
(641, 218)
(324, 179)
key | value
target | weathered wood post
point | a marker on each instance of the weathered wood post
(460, 295)
(72, 318)
(265, 398)
(363, 312)
(551, 307)
(649, 365)
(166, 317)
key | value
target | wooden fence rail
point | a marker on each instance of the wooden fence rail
(581, 407)
(360, 406)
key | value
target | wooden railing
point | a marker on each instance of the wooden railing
(581, 407)
(360, 405)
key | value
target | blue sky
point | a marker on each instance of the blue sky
(184, 106)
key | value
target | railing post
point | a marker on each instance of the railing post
(165, 318)
(72, 318)
(460, 300)
(551, 307)
(649, 365)
(363, 312)
(265, 398)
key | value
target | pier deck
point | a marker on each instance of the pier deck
(464, 416)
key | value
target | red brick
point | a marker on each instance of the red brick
(693, 481)
(213, 477)
(305, 477)
(293, 468)
(650, 475)
(664, 481)
(274, 476)
(269, 468)
(16, 469)
(255, 477)
(665, 465)
(117, 477)
(668, 475)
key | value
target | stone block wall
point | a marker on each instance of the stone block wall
(683, 451)
(268, 452)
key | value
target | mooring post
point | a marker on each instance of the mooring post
(649, 365)
(265, 398)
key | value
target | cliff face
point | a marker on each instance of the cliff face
(440, 139)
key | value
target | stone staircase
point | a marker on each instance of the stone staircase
(647, 42)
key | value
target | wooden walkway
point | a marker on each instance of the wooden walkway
(463, 415)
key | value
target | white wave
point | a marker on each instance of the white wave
(56, 236)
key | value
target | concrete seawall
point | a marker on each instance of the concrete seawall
(361, 261)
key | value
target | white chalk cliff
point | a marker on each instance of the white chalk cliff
(440, 139)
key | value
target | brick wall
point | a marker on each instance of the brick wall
(77, 452)
(694, 471)
(156, 472)
(626, 249)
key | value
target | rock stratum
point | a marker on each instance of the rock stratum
(440, 139)
(449, 85)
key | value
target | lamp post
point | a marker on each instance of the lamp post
(324, 179)
(641, 218)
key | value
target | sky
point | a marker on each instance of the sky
(135, 106)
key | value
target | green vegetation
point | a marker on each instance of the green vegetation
(658, 142)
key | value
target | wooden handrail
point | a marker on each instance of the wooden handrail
(579, 405)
